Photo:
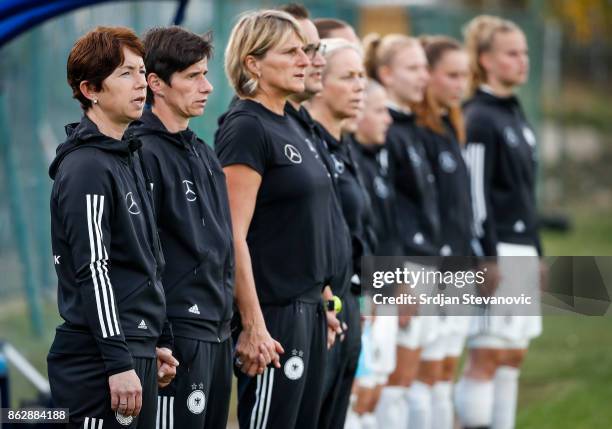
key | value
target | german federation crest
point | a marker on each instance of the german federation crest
(529, 136)
(294, 367)
(510, 136)
(123, 420)
(196, 401)
(447, 162)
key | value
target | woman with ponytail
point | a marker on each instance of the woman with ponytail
(501, 154)
(443, 135)
(399, 63)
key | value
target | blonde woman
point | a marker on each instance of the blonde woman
(276, 188)
(502, 156)
(399, 63)
(340, 100)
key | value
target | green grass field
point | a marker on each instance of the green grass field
(566, 380)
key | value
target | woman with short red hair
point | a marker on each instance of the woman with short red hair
(102, 364)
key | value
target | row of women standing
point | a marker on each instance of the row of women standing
(462, 180)
(297, 160)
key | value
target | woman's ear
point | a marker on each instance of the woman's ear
(252, 65)
(485, 60)
(88, 91)
(384, 74)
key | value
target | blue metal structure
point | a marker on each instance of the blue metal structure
(18, 16)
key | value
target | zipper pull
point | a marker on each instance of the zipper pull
(203, 223)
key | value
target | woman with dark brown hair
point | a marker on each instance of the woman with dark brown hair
(102, 364)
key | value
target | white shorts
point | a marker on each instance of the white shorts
(372, 380)
(421, 331)
(449, 342)
(383, 337)
(423, 327)
(378, 351)
(510, 331)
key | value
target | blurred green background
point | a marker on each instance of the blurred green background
(567, 378)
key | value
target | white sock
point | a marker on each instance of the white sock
(353, 420)
(442, 405)
(506, 393)
(474, 402)
(392, 408)
(368, 421)
(419, 405)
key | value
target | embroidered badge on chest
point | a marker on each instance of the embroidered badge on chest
(338, 164)
(131, 204)
(510, 136)
(530, 137)
(448, 164)
(293, 154)
(380, 188)
(415, 158)
(189, 192)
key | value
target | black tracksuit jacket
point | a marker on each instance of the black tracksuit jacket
(502, 158)
(374, 163)
(193, 217)
(416, 193)
(453, 184)
(106, 250)
(354, 197)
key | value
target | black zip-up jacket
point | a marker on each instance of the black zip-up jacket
(502, 157)
(354, 198)
(374, 162)
(416, 194)
(340, 264)
(453, 184)
(106, 250)
(193, 218)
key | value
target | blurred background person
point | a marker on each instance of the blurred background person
(340, 264)
(443, 134)
(503, 159)
(331, 28)
(377, 358)
(399, 63)
(341, 99)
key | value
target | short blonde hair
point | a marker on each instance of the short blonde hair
(333, 45)
(255, 34)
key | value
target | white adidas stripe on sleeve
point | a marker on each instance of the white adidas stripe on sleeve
(474, 157)
(105, 298)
